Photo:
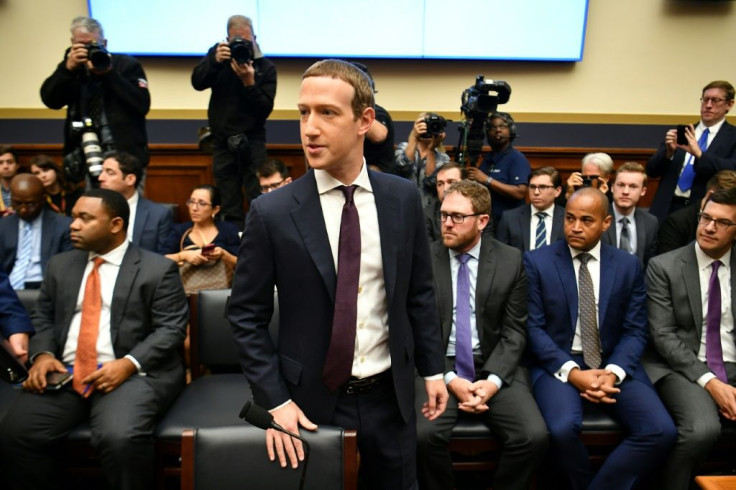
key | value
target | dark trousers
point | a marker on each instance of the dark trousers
(638, 409)
(513, 417)
(121, 422)
(232, 173)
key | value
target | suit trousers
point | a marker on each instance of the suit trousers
(698, 426)
(513, 417)
(121, 422)
(638, 409)
(231, 175)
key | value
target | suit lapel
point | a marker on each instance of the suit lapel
(484, 281)
(524, 220)
(141, 215)
(387, 208)
(69, 287)
(691, 279)
(310, 223)
(558, 224)
(566, 274)
(443, 286)
(641, 235)
(129, 269)
(608, 278)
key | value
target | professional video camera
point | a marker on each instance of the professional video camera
(241, 50)
(88, 157)
(436, 125)
(98, 55)
(478, 102)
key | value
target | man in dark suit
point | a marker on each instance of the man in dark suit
(691, 294)
(447, 175)
(684, 168)
(484, 333)
(346, 244)
(40, 232)
(150, 223)
(540, 223)
(633, 230)
(115, 315)
(15, 326)
(585, 342)
(678, 229)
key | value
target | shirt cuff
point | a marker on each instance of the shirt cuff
(495, 380)
(703, 380)
(279, 406)
(563, 373)
(620, 373)
(450, 376)
(434, 377)
(135, 363)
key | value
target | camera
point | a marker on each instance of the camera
(436, 125)
(241, 50)
(90, 152)
(98, 55)
(590, 181)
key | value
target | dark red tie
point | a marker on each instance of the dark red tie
(339, 361)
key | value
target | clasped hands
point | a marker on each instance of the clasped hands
(472, 397)
(594, 385)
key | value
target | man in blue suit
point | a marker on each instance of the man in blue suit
(31, 236)
(585, 343)
(381, 327)
(150, 223)
(15, 325)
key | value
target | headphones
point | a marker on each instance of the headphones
(507, 119)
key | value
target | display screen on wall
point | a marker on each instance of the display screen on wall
(541, 30)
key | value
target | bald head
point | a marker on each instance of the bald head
(586, 218)
(27, 195)
(595, 200)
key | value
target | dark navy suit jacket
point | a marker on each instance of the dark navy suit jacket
(54, 238)
(152, 225)
(13, 316)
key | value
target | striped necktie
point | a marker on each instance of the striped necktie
(540, 239)
(23, 257)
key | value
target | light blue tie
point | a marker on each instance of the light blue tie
(464, 365)
(541, 235)
(23, 257)
(688, 173)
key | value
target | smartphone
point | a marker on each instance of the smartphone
(681, 138)
(56, 380)
(208, 249)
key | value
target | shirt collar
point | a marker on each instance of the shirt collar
(549, 210)
(715, 128)
(326, 182)
(133, 199)
(617, 215)
(595, 252)
(705, 260)
(114, 256)
(473, 252)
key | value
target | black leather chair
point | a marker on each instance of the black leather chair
(235, 458)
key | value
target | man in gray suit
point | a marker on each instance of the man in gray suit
(633, 230)
(690, 301)
(134, 366)
(484, 334)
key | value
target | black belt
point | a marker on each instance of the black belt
(355, 386)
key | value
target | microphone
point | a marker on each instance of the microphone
(262, 418)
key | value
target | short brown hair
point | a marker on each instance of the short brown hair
(723, 85)
(552, 172)
(725, 179)
(347, 72)
(450, 165)
(478, 194)
(634, 168)
(9, 149)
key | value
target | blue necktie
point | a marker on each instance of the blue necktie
(464, 365)
(23, 257)
(688, 173)
(541, 235)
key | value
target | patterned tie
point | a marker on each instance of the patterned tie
(625, 241)
(23, 259)
(713, 348)
(85, 360)
(588, 321)
(541, 235)
(464, 365)
(339, 361)
(688, 173)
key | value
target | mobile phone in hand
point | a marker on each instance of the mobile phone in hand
(56, 380)
(207, 250)
(681, 138)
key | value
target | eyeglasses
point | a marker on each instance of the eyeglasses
(720, 224)
(540, 188)
(712, 100)
(199, 204)
(493, 127)
(271, 187)
(456, 218)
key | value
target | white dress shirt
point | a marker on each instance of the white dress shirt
(133, 205)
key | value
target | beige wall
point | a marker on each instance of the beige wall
(645, 61)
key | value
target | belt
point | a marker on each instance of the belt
(355, 386)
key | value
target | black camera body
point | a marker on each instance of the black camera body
(98, 55)
(436, 125)
(478, 100)
(241, 50)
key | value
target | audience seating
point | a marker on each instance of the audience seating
(235, 457)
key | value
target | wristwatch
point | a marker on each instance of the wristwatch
(488, 181)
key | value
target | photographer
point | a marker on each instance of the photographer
(595, 172)
(243, 85)
(423, 154)
(106, 96)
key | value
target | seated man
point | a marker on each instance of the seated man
(272, 175)
(482, 296)
(587, 329)
(693, 364)
(678, 229)
(15, 326)
(542, 219)
(634, 230)
(150, 223)
(447, 175)
(31, 236)
(115, 315)
(8, 170)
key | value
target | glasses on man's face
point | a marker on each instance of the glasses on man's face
(720, 223)
(270, 187)
(197, 204)
(540, 188)
(456, 218)
(712, 100)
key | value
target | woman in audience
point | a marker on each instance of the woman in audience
(207, 238)
(423, 154)
(60, 195)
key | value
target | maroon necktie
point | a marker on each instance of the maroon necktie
(713, 348)
(339, 361)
